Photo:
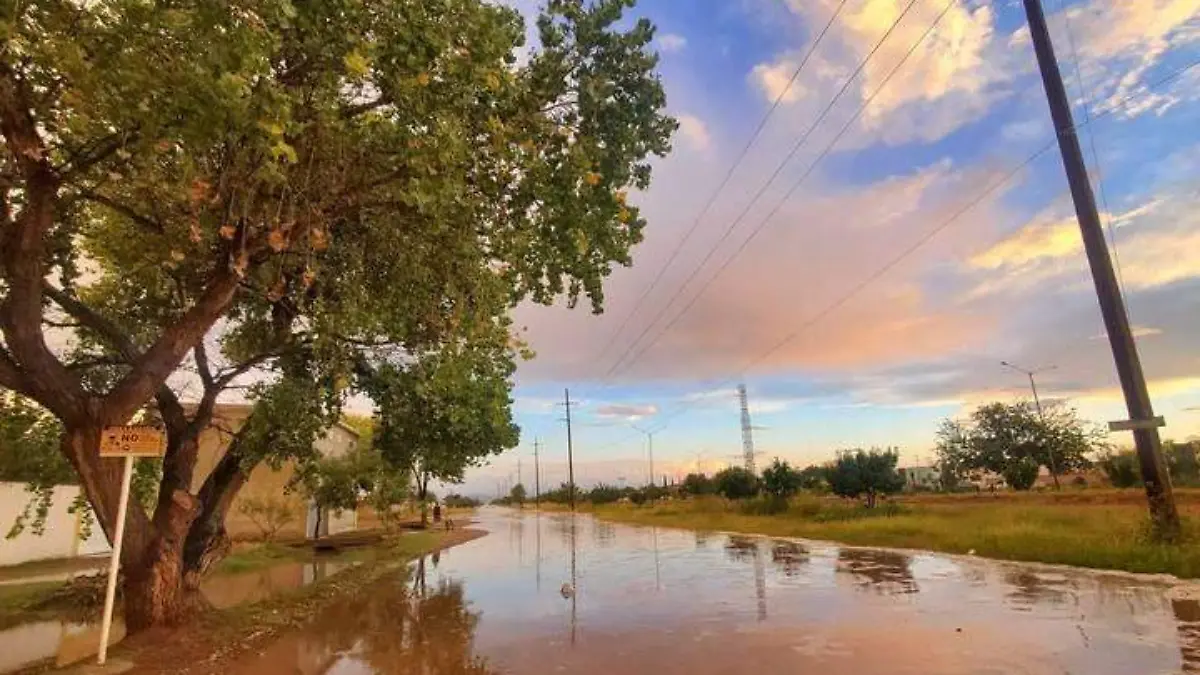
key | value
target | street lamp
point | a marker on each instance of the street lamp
(1037, 404)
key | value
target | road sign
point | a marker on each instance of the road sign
(137, 441)
(1130, 425)
(127, 442)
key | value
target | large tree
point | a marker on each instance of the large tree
(287, 185)
(1006, 439)
(866, 473)
(446, 410)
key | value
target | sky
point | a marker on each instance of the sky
(889, 238)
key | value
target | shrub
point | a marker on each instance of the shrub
(736, 483)
(1021, 473)
(780, 481)
(697, 484)
(269, 514)
(866, 473)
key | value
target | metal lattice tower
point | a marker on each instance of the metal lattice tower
(747, 430)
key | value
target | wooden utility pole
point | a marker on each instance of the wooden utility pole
(1142, 421)
(570, 450)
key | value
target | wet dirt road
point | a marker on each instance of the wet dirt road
(554, 594)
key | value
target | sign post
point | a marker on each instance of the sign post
(129, 443)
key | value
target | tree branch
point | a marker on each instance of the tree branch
(157, 363)
(200, 352)
(10, 374)
(117, 338)
(22, 254)
(85, 158)
(144, 221)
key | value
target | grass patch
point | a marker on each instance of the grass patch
(19, 603)
(1097, 531)
(260, 556)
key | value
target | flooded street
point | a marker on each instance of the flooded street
(554, 594)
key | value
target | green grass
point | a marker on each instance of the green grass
(1096, 533)
(260, 556)
(19, 602)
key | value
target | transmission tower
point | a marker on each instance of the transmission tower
(747, 430)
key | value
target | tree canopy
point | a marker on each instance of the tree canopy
(780, 480)
(866, 473)
(736, 482)
(294, 189)
(1006, 438)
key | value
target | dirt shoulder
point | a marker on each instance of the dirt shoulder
(220, 636)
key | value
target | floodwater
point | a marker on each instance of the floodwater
(552, 593)
(67, 642)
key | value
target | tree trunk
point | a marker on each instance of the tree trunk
(156, 592)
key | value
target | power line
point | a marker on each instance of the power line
(1087, 114)
(791, 191)
(662, 270)
(812, 321)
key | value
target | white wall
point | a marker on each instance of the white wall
(62, 538)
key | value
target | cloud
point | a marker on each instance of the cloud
(671, 42)
(626, 411)
(1138, 331)
(694, 131)
(967, 64)
(775, 81)
(1051, 248)
(783, 281)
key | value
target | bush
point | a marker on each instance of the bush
(736, 483)
(763, 506)
(697, 484)
(780, 481)
(1021, 473)
(866, 473)
(269, 514)
(1122, 469)
(456, 501)
(602, 494)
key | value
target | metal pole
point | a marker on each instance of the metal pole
(114, 565)
(570, 451)
(537, 478)
(650, 437)
(1112, 306)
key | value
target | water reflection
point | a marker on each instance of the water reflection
(790, 557)
(402, 624)
(746, 549)
(886, 572)
(667, 601)
(1030, 589)
(1187, 613)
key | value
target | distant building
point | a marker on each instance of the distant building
(920, 478)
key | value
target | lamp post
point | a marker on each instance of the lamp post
(1038, 405)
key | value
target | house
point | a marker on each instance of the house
(920, 478)
(290, 514)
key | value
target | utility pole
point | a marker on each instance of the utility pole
(650, 444)
(1037, 403)
(519, 481)
(570, 449)
(1141, 421)
(537, 477)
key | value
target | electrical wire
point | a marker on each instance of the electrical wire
(662, 270)
(791, 191)
(924, 239)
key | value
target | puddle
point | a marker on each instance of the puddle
(68, 643)
(562, 594)
(230, 590)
